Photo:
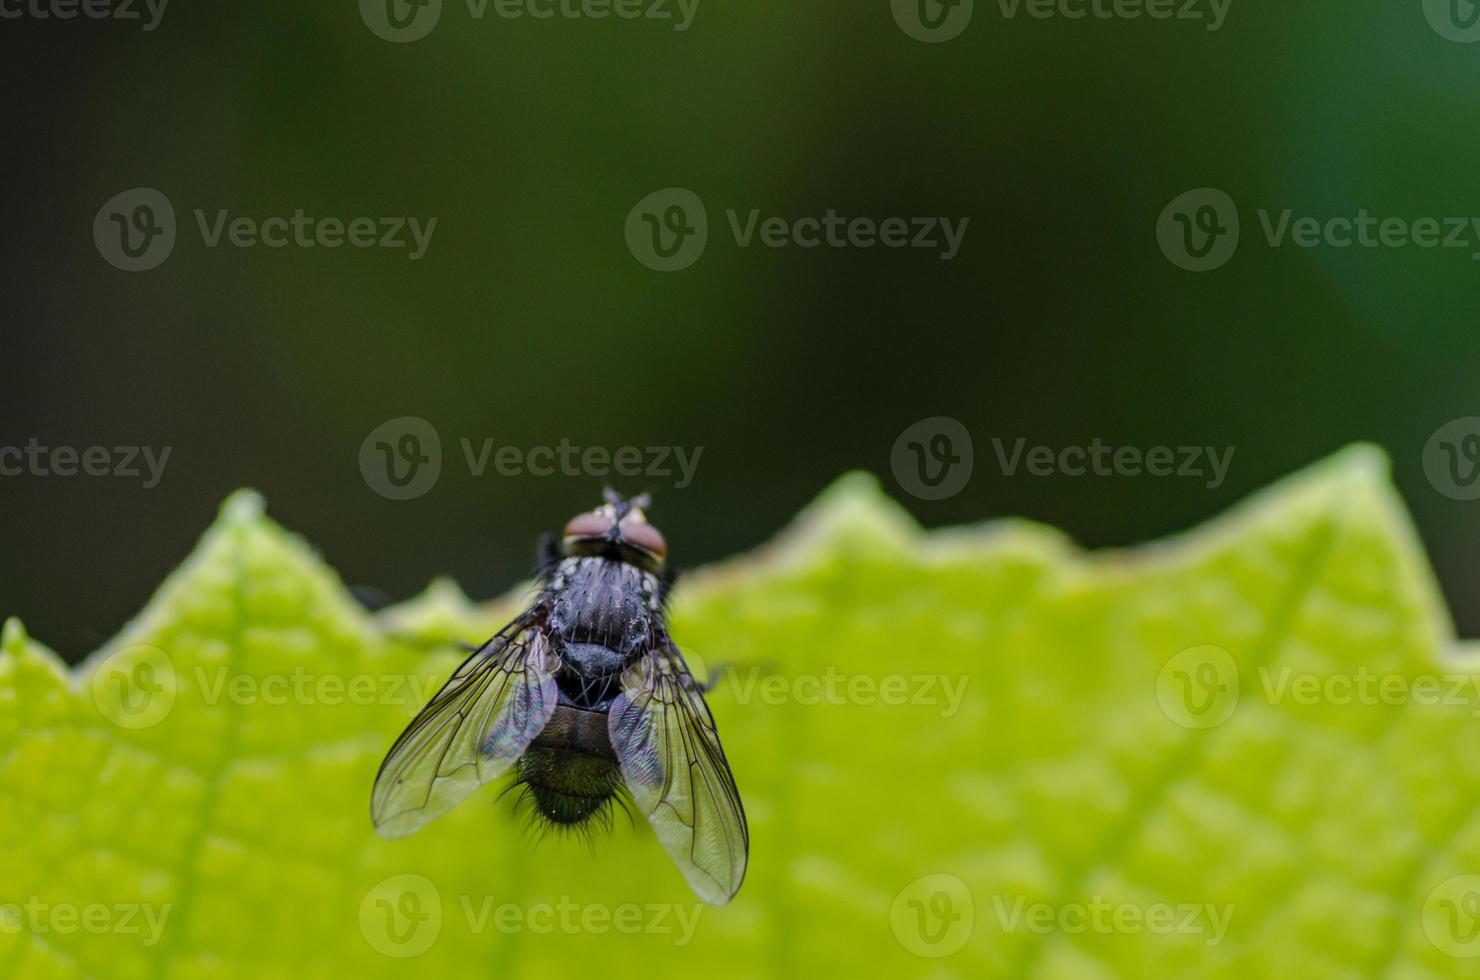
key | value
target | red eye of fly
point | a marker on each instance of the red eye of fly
(646, 537)
(592, 525)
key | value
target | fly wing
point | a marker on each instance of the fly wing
(676, 771)
(478, 724)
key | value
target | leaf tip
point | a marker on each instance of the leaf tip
(243, 507)
(855, 506)
(444, 592)
(855, 484)
(18, 647)
(1365, 460)
(13, 634)
(439, 610)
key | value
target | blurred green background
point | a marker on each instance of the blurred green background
(528, 321)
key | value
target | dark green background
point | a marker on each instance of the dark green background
(529, 321)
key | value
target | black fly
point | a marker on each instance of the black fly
(583, 695)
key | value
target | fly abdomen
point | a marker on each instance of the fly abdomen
(570, 768)
(568, 788)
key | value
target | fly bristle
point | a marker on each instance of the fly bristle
(550, 802)
(541, 821)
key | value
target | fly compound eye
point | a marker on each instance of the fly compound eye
(590, 525)
(641, 534)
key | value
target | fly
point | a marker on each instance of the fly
(585, 697)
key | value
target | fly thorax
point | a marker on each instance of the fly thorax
(590, 676)
(593, 660)
(603, 602)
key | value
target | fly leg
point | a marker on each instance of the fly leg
(549, 552)
(723, 669)
(716, 675)
(665, 584)
(432, 642)
(374, 600)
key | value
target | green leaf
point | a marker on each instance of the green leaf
(972, 752)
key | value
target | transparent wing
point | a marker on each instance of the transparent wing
(479, 723)
(676, 771)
